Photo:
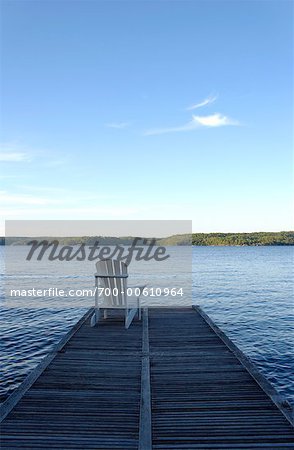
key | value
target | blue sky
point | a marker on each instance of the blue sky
(148, 110)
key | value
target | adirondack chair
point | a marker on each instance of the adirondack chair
(112, 276)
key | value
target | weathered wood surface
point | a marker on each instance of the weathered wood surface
(168, 384)
(282, 404)
(87, 398)
(145, 431)
(202, 396)
(33, 376)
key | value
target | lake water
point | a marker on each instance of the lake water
(247, 291)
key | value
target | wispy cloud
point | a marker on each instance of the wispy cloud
(207, 101)
(13, 152)
(70, 196)
(13, 156)
(16, 152)
(186, 127)
(118, 125)
(34, 196)
(24, 199)
(212, 121)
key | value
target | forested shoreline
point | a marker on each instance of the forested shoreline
(248, 239)
(201, 239)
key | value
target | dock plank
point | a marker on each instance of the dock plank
(206, 398)
(171, 382)
(88, 397)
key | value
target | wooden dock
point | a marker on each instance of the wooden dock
(172, 381)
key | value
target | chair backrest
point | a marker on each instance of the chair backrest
(115, 289)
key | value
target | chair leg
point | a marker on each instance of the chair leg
(95, 317)
(105, 314)
(130, 314)
(126, 319)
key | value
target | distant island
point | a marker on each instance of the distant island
(233, 239)
(202, 239)
(260, 238)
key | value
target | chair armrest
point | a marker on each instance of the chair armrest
(97, 275)
(138, 287)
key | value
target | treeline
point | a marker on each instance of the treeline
(261, 238)
(75, 240)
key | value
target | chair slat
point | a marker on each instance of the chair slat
(112, 275)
